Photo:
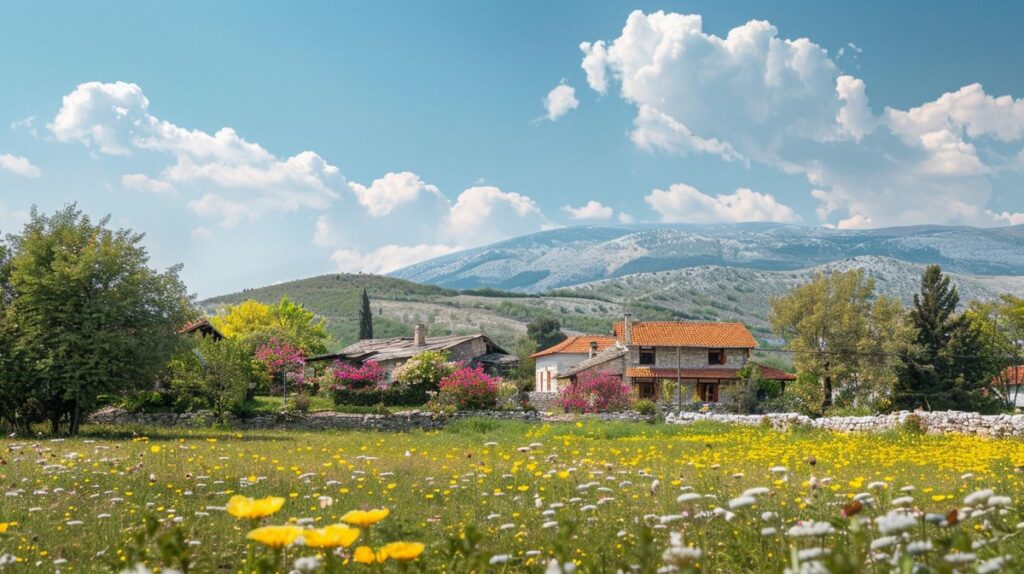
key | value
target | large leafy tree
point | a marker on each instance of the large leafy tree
(87, 315)
(842, 334)
(257, 323)
(948, 367)
(546, 331)
(365, 318)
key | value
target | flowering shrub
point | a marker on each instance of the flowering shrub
(283, 362)
(469, 389)
(596, 393)
(426, 368)
(368, 375)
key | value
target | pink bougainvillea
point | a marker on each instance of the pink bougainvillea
(470, 388)
(284, 363)
(600, 392)
(369, 374)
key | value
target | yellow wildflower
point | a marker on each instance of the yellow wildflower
(365, 555)
(3, 527)
(275, 536)
(365, 518)
(331, 536)
(245, 507)
(402, 551)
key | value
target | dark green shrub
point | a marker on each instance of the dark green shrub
(646, 407)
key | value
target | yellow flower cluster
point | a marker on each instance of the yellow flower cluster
(326, 538)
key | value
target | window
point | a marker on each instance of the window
(708, 392)
(647, 390)
(646, 355)
(716, 356)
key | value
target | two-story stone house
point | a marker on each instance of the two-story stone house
(703, 358)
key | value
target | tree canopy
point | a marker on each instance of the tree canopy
(84, 315)
(285, 320)
(948, 367)
(546, 331)
(843, 334)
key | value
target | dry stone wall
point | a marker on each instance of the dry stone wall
(933, 422)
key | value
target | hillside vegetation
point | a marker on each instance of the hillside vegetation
(708, 293)
(398, 304)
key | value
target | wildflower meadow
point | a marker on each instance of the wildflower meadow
(493, 496)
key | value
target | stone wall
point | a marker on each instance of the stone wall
(936, 422)
(543, 401)
(401, 421)
(933, 422)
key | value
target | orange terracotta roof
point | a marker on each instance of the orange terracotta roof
(690, 334)
(1010, 376)
(709, 373)
(579, 344)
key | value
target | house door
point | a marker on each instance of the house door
(708, 392)
(647, 390)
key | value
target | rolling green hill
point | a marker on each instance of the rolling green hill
(708, 293)
(398, 304)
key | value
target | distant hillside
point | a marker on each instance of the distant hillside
(706, 292)
(733, 293)
(398, 305)
(570, 256)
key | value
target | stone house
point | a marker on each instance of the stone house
(392, 352)
(568, 353)
(703, 359)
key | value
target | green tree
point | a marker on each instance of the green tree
(88, 315)
(525, 373)
(947, 369)
(257, 323)
(365, 318)
(1000, 328)
(546, 331)
(841, 334)
(214, 375)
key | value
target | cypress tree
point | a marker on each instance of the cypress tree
(365, 318)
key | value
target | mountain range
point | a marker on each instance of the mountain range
(570, 256)
(588, 276)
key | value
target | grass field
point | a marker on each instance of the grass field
(489, 496)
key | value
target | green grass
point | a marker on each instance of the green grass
(609, 488)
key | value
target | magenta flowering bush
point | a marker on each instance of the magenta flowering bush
(600, 392)
(350, 377)
(469, 389)
(283, 362)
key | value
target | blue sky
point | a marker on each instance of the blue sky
(260, 142)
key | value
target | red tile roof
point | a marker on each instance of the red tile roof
(579, 344)
(1011, 376)
(689, 334)
(708, 373)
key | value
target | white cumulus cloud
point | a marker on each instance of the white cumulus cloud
(386, 258)
(390, 191)
(560, 101)
(681, 203)
(234, 178)
(19, 165)
(142, 182)
(590, 210)
(756, 97)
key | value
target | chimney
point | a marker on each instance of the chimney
(593, 349)
(627, 330)
(419, 335)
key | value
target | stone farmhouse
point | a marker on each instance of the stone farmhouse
(703, 359)
(392, 352)
(562, 356)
